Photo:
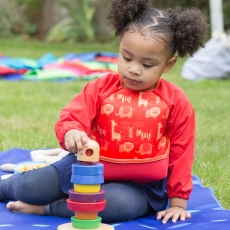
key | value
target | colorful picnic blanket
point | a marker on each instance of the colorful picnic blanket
(207, 212)
(72, 66)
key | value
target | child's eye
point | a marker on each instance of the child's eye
(147, 66)
(127, 59)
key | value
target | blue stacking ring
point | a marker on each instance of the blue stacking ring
(80, 168)
(82, 179)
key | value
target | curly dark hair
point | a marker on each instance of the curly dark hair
(182, 29)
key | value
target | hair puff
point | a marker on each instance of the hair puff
(122, 12)
(189, 28)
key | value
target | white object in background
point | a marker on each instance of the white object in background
(212, 62)
(7, 167)
(217, 19)
(46, 152)
(48, 155)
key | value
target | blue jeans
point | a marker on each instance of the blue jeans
(41, 187)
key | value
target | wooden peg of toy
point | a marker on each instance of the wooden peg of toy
(69, 226)
(91, 153)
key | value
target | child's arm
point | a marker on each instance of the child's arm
(181, 131)
(176, 211)
(81, 111)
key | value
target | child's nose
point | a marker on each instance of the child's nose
(134, 70)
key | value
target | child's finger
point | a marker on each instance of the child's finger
(187, 215)
(160, 215)
(67, 145)
(182, 216)
(166, 218)
(70, 145)
(78, 144)
(175, 217)
(84, 139)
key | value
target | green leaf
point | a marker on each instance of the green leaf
(81, 12)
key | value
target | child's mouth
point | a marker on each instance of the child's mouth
(132, 81)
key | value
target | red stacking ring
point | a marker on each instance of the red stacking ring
(86, 207)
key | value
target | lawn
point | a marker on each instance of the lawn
(29, 111)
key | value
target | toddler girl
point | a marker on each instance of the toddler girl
(145, 125)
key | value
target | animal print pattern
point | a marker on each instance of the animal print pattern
(131, 127)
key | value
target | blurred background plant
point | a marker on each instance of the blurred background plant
(85, 22)
(75, 20)
(78, 26)
(19, 17)
(10, 23)
(30, 14)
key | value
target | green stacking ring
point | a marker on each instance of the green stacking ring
(86, 224)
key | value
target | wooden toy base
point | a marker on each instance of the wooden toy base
(68, 226)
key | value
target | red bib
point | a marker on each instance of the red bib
(131, 127)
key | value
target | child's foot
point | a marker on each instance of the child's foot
(21, 207)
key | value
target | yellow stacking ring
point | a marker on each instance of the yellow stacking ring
(87, 188)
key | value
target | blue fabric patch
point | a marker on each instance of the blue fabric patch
(207, 212)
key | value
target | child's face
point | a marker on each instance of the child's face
(142, 61)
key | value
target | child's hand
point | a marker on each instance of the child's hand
(173, 213)
(75, 140)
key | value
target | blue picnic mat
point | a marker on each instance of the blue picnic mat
(207, 212)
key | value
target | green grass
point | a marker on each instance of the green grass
(29, 111)
(35, 49)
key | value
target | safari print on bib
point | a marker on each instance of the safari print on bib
(140, 135)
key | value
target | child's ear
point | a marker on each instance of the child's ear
(170, 63)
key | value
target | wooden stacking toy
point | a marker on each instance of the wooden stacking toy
(87, 198)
